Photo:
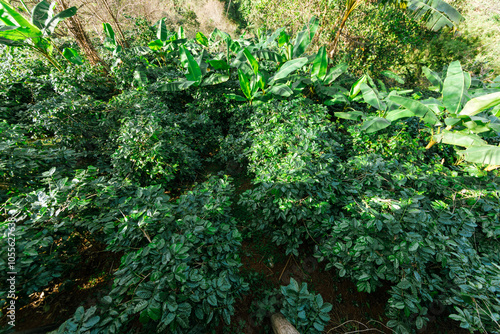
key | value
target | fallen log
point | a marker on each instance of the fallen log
(281, 325)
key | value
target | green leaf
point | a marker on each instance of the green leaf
(162, 32)
(141, 305)
(215, 79)
(140, 78)
(11, 18)
(269, 55)
(42, 13)
(488, 154)
(454, 88)
(80, 311)
(235, 97)
(352, 115)
(175, 86)
(335, 72)
(156, 45)
(356, 87)
(73, 56)
(52, 24)
(289, 67)
(245, 84)
(252, 61)
(478, 104)
(459, 139)
(394, 76)
(305, 37)
(226, 316)
(436, 14)
(202, 39)
(404, 284)
(212, 299)
(418, 108)
(433, 77)
(372, 98)
(375, 124)
(180, 33)
(194, 71)
(154, 313)
(414, 246)
(281, 90)
(398, 114)
(283, 38)
(320, 64)
(219, 64)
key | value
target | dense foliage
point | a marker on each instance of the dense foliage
(370, 178)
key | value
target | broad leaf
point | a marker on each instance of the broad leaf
(305, 37)
(219, 64)
(335, 72)
(281, 90)
(478, 104)
(194, 71)
(394, 76)
(320, 64)
(235, 97)
(175, 86)
(42, 13)
(398, 114)
(436, 14)
(372, 98)
(202, 39)
(73, 56)
(11, 18)
(433, 77)
(289, 67)
(52, 24)
(418, 108)
(140, 78)
(245, 84)
(252, 61)
(215, 79)
(356, 87)
(489, 154)
(352, 115)
(375, 124)
(162, 32)
(454, 88)
(269, 55)
(459, 139)
(156, 45)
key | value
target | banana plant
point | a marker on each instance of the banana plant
(197, 72)
(455, 118)
(321, 79)
(386, 110)
(16, 31)
(300, 43)
(257, 85)
(167, 43)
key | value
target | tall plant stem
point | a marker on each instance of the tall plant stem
(351, 5)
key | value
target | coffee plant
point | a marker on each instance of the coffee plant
(385, 183)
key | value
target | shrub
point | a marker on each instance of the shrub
(292, 155)
(186, 271)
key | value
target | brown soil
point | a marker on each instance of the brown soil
(91, 278)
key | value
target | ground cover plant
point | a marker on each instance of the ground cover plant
(178, 157)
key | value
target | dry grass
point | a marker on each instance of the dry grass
(482, 20)
(208, 14)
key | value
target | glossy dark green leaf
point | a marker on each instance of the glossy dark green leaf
(73, 56)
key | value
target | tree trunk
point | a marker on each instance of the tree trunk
(281, 325)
